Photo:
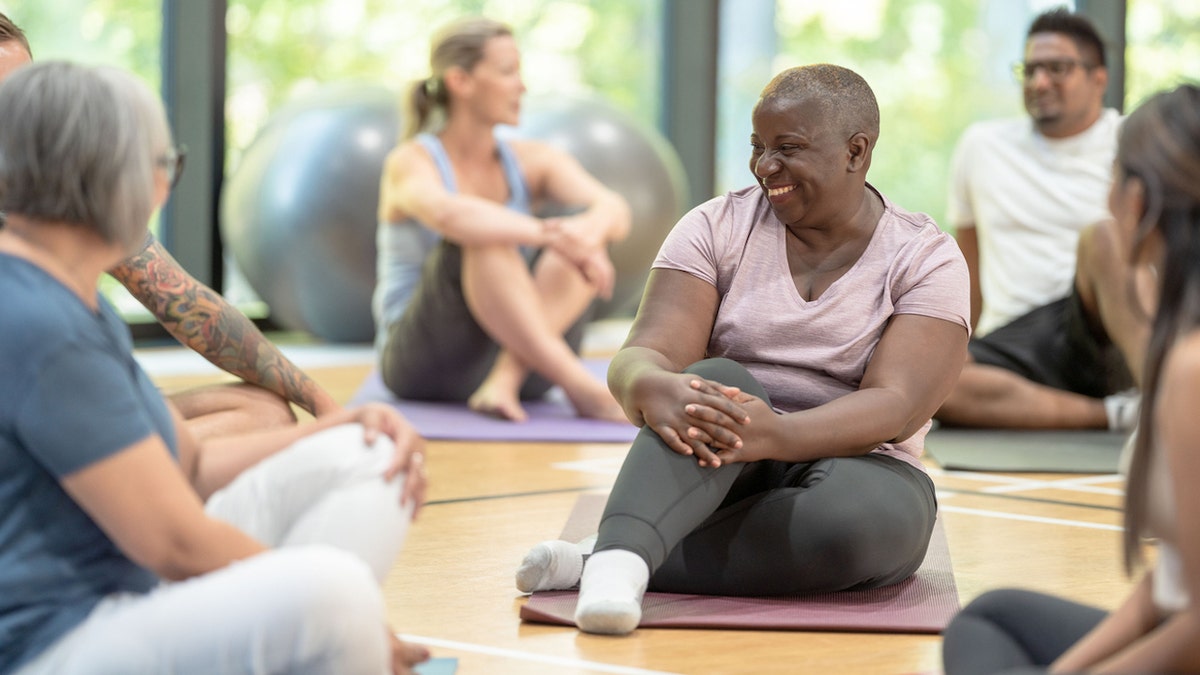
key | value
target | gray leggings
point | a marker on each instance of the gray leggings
(1014, 631)
(437, 351)
(767, 527)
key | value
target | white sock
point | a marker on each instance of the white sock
(1122, 410)
(552, 565)
(610, 592)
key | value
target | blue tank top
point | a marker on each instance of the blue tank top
(402, 247)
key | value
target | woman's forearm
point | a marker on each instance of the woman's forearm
(854, 424)
(1124, 626)
(204, 322)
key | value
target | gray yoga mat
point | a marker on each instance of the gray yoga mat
(1017, 451)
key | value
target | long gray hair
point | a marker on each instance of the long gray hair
(79, 145)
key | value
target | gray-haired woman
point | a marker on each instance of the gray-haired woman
(125, 546)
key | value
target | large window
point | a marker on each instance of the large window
(935, 67)
(1163, 46)
(279, 51)
(123, 33)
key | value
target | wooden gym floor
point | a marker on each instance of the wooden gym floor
(452, 586)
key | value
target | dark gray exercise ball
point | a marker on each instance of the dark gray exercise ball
(299, 211)
(630, 158)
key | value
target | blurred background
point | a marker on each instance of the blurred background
(685, 71)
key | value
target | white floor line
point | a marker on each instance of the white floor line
(1101, 478)
(527, 656)
(1031, 519)
(1055, 485)
(608, 466)
(1006, 483)
(1008, 478)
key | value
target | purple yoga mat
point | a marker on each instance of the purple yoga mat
(550, 419)
(922, 604)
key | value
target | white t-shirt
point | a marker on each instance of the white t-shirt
(1028, 197)
(807, 353)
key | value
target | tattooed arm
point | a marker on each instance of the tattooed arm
(201, 319)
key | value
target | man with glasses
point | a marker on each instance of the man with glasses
(202, 320)
(1054, 328)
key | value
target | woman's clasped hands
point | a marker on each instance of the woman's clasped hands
(715, 423)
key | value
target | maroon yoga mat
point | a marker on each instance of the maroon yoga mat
(922, 604)
(550, 419)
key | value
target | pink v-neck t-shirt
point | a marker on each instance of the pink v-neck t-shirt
(804, 353)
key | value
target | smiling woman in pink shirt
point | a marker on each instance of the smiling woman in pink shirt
(794, 340)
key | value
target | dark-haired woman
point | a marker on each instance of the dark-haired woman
(1155, 199)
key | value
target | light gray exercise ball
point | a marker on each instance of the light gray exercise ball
(299, 211)
(630, 158)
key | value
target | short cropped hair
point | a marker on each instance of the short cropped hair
(79, 144)
(844, 93)
(1076, 27)
(10, 32)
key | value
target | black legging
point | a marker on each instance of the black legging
(767, 527)
(1014, 631)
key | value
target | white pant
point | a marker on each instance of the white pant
(309, 607)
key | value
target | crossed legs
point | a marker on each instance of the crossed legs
(526, 314)
(1112, 301)
(762, 528)
(312, 605)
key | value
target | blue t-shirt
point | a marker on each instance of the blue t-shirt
(71, 394)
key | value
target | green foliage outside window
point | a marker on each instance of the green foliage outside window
(935, 65)
(1163, 49)
(280, 48)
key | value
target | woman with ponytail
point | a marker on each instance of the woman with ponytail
(478, 300)
(1155, 198)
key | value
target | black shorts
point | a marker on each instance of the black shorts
(1054, 345)
(437, 351)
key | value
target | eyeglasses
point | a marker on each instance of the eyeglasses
(1056, 69)
(172, 162)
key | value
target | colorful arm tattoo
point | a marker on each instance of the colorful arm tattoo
(202, 320)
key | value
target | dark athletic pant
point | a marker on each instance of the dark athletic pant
(436, 351)
(1014, 631)
(767, 527)
(1055, 345)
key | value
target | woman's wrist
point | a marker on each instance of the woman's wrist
(550, 230)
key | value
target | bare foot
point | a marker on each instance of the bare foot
(492, 399)
(596, 402)
(405, 655)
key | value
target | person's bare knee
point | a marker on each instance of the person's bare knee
(1118, 299)
(489, 273)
